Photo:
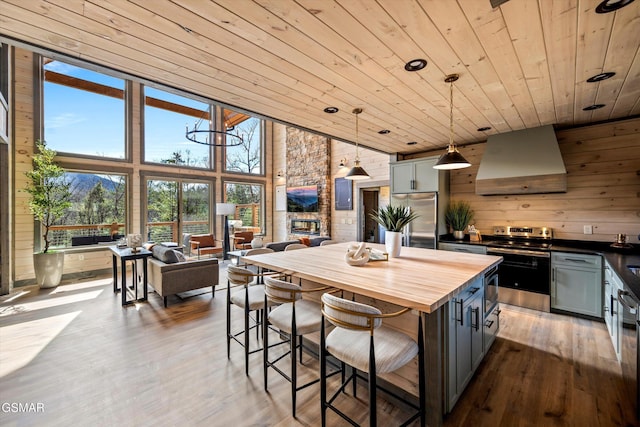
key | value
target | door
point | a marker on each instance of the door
(370, 231)
(175, 207)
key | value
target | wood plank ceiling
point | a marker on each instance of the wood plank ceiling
(523, 64)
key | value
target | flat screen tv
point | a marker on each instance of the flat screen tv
(302, 199)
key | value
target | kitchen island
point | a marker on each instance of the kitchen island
(423, 280)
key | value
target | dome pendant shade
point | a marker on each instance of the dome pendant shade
(357, 172)
(452, 159)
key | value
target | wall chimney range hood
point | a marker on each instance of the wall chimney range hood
(527, 161)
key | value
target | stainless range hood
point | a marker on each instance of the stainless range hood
(527, 161)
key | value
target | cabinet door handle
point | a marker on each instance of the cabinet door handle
(576, 260)
(461, 320)
(613, 312)
(489, 323)
(477, 313)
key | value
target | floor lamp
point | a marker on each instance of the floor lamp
(225, 209)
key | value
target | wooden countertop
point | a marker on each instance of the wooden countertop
(421, 279)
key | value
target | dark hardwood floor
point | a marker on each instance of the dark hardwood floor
(81, 359)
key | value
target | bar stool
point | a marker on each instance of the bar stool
(349, 342)
(250, 298)
(294, 317)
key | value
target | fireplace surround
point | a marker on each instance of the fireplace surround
(310, 227)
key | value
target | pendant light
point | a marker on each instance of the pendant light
(356, 172)
(452, 159)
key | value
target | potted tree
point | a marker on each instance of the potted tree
(458, 216)
(50, 197)
(393, 219)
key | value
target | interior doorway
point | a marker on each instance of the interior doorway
(370, 202)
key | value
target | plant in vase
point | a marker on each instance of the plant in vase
(393, 219)
(458, 216)
(50, 197)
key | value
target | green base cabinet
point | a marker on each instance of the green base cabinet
(576, 283)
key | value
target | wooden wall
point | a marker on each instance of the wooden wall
(603, 167)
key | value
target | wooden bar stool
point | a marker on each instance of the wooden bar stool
(294, 317)
(360, 340)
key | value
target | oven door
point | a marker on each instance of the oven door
(524, 269)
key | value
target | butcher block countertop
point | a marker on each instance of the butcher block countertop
(420, 279)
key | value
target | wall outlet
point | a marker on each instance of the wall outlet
(588, 229)
(81, 257)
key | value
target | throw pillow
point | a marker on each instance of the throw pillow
(305, 241)
(164, 254)
(180, 256)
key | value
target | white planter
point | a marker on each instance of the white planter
(48, 268)
(256, 243)
(393, 243)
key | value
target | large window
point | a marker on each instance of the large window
(175, 207)
(249, 200)
(246, 157)
(166, 117)
(98, 211)
(83, 111)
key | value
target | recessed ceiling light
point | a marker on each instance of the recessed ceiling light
(484, 129)
(593, 107)
(612, 5)
(600, 77)
(331, 110)
(415, 64)
(411, 143)
(384, 131)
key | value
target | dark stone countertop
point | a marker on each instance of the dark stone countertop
(618, 258)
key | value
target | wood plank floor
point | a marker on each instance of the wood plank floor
(88, 361)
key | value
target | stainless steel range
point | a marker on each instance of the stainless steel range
(525, 273)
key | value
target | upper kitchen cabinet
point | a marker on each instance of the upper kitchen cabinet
(416, 176)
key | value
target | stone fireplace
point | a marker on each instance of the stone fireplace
(308, 157)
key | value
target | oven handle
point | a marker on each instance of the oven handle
(537, 254)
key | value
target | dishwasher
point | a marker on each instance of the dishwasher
(630, 320)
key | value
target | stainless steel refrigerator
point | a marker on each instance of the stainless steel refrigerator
(423, 231)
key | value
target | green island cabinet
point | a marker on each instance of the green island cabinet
(465, 339)
(415, 176)
(576, 283)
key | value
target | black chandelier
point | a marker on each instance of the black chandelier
(211, 136)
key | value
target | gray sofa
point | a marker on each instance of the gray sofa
(168, 277)
(279, 246)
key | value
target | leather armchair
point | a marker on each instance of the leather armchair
(242, 239)
(204, 244)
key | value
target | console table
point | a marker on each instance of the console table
(126, 254)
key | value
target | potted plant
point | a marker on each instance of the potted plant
(50, 197)
(393, 219)
(458, 216)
